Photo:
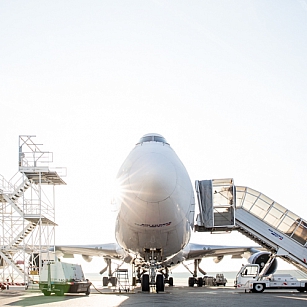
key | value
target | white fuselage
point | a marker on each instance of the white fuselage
(156, 201)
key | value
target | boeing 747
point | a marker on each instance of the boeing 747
(155, 219)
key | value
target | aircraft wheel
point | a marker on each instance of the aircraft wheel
(105, 281)
(171, 281)
(200, 282)
(145, 283)
(160, 283)
(113, 281)
(133, 281)
(191, 281)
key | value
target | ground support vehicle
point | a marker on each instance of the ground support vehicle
(249, 279)
(220, 280)
(59, 278)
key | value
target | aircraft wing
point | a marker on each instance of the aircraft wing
(190, 252)
(198, 251)
(217, 252)
(109, 250)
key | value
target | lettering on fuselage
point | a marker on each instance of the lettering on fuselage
(276, 234)
(153, 225)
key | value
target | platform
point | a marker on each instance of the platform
(42, 176)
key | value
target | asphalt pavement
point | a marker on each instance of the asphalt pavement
(173, 296)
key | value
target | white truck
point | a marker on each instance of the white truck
(59, 278)
(249, 278)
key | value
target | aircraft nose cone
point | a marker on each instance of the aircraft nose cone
(152, 177)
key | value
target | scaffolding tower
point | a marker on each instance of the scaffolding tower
(27, 212)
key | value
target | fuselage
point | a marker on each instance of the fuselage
(156, 200)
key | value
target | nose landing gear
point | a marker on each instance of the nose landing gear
(153, 279)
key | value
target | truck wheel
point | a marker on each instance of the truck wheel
(46, 293)
(300, 289)
(88, 291)
(258, 288)
(60, 292)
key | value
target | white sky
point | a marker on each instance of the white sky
(224, 82)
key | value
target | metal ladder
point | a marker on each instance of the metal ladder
(123, 280)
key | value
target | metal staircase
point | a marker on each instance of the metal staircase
(20, 190)
(13, 198)
(8, 258)
(15, 229)
(256, 216)
(23, 234)
(27, 213)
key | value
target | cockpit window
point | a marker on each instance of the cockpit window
(152, 138)
(159, 139)
(146, 139)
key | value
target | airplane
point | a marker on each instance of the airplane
(155, 220)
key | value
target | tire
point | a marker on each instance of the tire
(160, 283)
(88, 291)
(171, 281)
(259, 287)
(60, 292)
(191, 281)
(105, 281)
(46, 293)
(113, 281)
(145, 283)
(200, 282)
(300, 290)
(133, 281)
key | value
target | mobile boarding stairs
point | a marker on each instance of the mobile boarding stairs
(226, 207)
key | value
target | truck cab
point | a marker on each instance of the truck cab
(247, 273)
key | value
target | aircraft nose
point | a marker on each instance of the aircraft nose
(153, 177)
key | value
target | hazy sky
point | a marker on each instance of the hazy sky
(224, 82)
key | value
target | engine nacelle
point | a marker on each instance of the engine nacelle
(218, 259)
(261, 259)
(87, 258)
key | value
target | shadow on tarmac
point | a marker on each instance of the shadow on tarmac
(36, 300)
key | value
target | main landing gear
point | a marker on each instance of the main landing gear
(194, 280)
(110, 278)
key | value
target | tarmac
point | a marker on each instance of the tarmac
(173, 296)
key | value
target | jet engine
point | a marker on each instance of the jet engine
(87, 258)
(218, 259)
(261, 259)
